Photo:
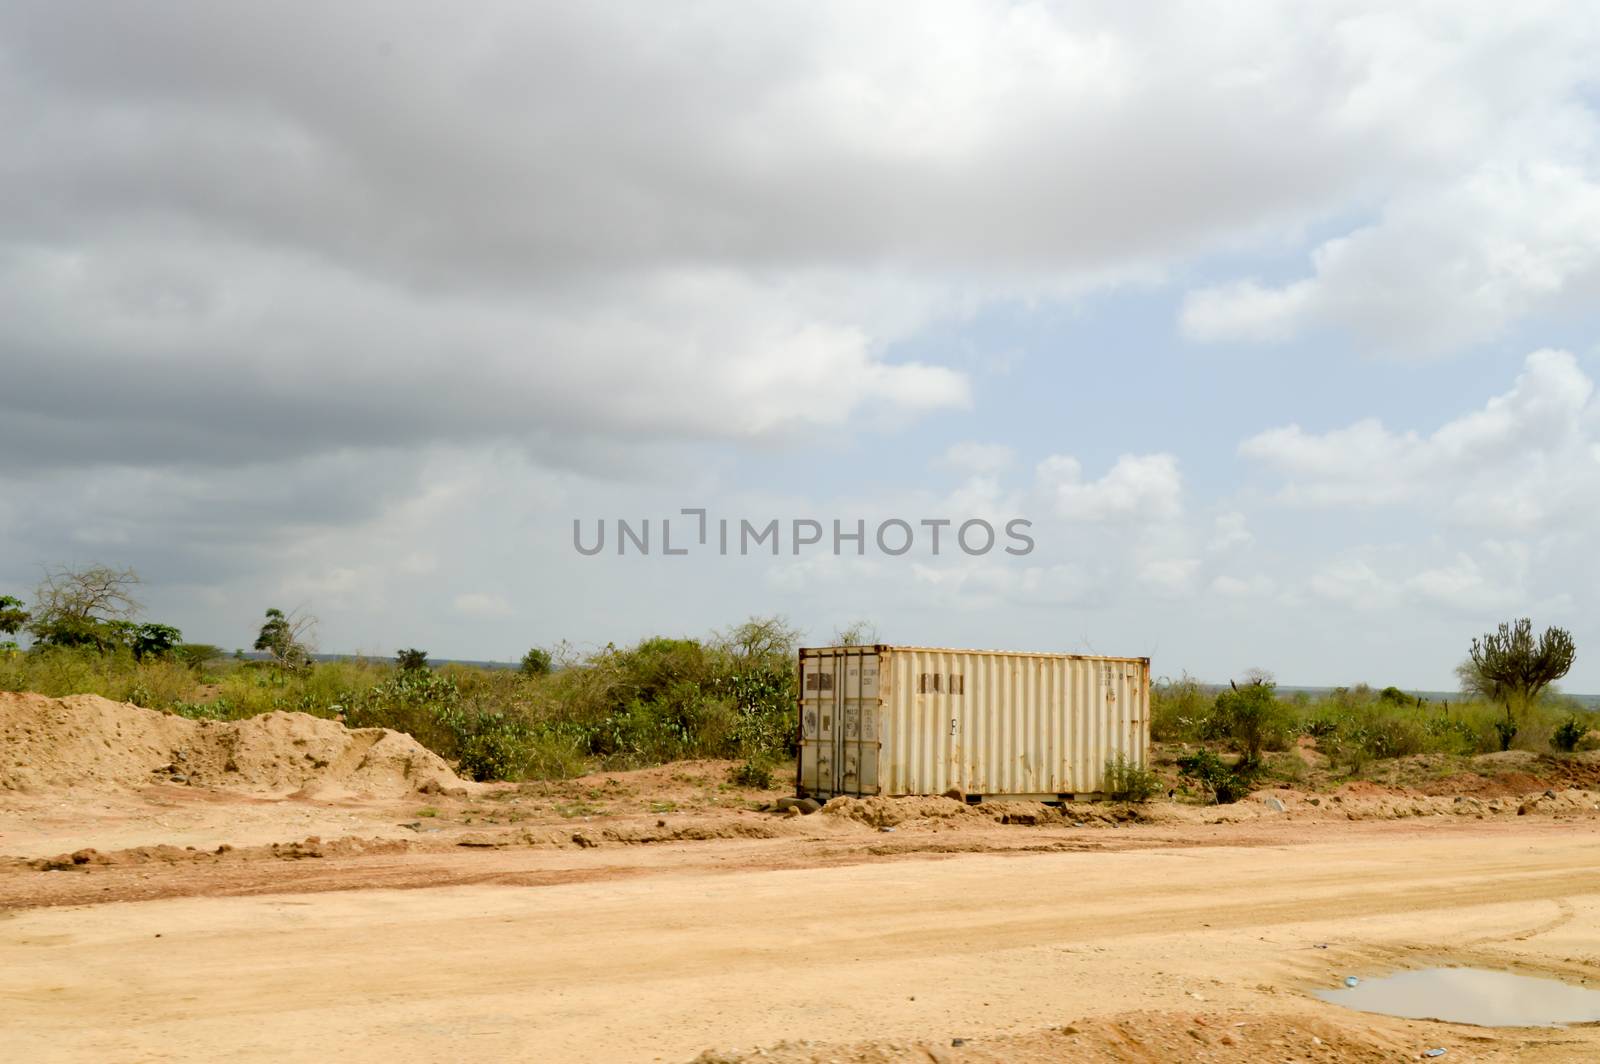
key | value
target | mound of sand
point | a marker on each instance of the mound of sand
(880, 812)
(89, 741)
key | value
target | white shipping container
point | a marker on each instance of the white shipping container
(921, 720)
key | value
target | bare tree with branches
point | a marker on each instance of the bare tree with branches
(73, 606)
(760, 637)
(856, 634)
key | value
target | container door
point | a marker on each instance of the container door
(818, 707)
(839, 721)
(856, 741)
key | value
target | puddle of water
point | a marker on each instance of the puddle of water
(1471, 995)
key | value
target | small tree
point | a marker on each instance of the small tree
(536, 662)
(13, 617)
(154, 640)
(198, 655)
(286, 638)
(75, 607)
(1516, 668)
(856, 634)
(411, 659)
(755, 671)
(760, 638)
(1249, 715)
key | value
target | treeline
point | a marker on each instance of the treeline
(1354, 727)
(730, 695)
(1509, 702)
(92, 608)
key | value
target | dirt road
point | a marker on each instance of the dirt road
(1140, 954)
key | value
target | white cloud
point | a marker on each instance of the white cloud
(1461, 583)
(481, 604)
(418, 563)
(1136, 488)
(1229, 530)
(796, 575)
(1244, 310)
(1353, 582)
(1444, 268)
(982, 585)
(979, 459)
(1235, 587)
(1169, 576)
(748, 209)
(1489, 579)
(1526, 458)
(315, 315)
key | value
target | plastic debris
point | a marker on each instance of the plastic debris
(1434, 1053)
(1351, 980)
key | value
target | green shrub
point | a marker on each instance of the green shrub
(410, 659)
(536, 662)
(1126, 781)
(1252, 719)
(763, 701)
(1568, 734)
(555, 754)
(1395, 737)
(1227, 783)
(419, 703)
(1322, 724)
(1356, 728)
(1458, 733)
(1506, 728)
(1179, 709)
(490, 745)
(197, 655)
(221, 709)
(755, 773)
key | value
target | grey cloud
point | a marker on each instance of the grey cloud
(538, 140)
(184, 524)
(283, 229)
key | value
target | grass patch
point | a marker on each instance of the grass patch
(756, 773)
(1127, 782)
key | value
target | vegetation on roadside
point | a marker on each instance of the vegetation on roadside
(731, 695)
(1226, 783)
(1126, 781)
(1510, 667)
(1507, 702)
(755, 773)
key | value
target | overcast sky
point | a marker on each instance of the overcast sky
(1278, 322)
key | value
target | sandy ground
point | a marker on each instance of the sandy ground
(659, 917)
